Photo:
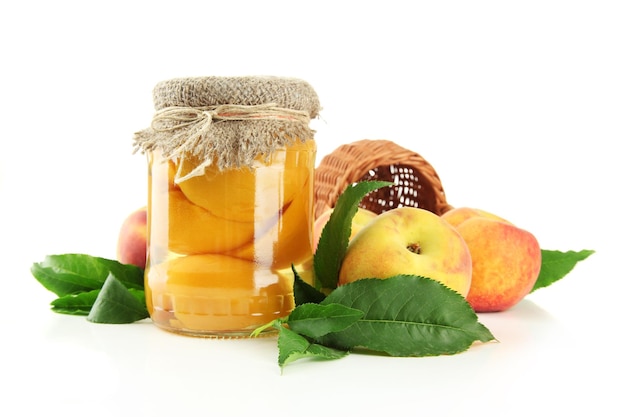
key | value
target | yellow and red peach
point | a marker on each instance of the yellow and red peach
(506, 259)
(412, 241)
(132, 238)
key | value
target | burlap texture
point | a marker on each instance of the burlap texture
(228, 121)
(289, 93)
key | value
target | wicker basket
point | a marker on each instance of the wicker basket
(416, 183)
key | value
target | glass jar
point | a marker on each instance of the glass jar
(222, 234)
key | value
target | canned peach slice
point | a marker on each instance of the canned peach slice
(221, 293)
(235, 193)
(288, 240)
(228, 194)
(192, 229)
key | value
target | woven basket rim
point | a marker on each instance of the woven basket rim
(350, 163)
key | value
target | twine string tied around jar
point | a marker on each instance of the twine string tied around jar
(179, 131)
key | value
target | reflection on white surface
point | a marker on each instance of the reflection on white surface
(536, 366)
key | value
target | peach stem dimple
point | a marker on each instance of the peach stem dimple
(415, 248)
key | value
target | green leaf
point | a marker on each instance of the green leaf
(406, 315)
(292, 346)
(75, 273)
(335, 236)
(117, 304)
(556, 264)
(315, 320)
(75, 304)
(303, 292)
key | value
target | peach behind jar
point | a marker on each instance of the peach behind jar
(223, 233)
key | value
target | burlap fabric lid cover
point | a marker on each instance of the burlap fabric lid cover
(228, 121)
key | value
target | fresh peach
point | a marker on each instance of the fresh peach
(409, 240)
(458, 215)
(132, 239)
(506, 260)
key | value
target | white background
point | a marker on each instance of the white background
(520, 107)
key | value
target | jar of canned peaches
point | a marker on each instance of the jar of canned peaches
(230, 201)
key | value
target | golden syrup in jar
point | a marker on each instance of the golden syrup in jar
(221, 244)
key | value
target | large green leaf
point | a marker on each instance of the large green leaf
(76, 304)
(406, 316)
(75, 273)
(117, 304)
(557, 264)
(335, 236)
(315, 320)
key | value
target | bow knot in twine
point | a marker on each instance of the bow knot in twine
(199, 132)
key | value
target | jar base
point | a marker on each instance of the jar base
(206, 326)
(210, 334)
